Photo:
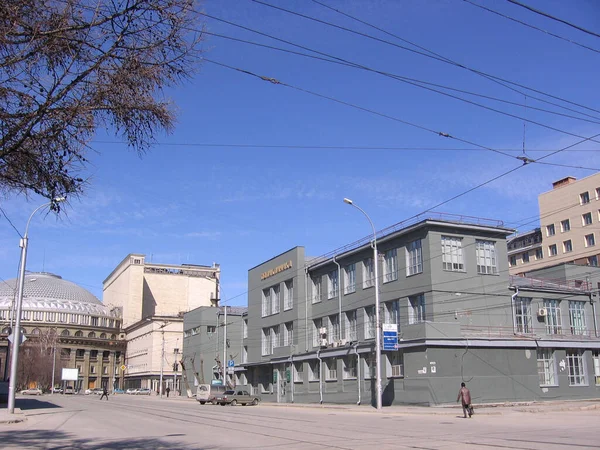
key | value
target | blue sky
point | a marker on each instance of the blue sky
(198, 197)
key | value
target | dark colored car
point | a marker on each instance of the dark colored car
(234, 397)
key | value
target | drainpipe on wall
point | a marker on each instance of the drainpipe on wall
(339, 298)
(512, 309)
(306, 308)
(320, 377)
(292, 374)
(357, 371)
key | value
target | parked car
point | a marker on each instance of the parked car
(142, 392)
(207, 393)
(57, 390)
(69, 390)
(234, 397)
(95, 391)
(32, 391)
(131, 390)
(118, 391)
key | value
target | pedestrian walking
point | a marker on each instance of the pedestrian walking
(168, 390)
(104, 394)
(464, 395)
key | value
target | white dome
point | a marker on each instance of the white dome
(48, 292)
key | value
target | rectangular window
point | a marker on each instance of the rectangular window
(369, 366)
(553, 317)
(589, 240)
(539, 254)
(316, 327)
(350, 279)
(452, 254)
(577, 317)
(105, 370)
(390, 265)
(245, 331)
(288, 295)
(333, 328)
(275, 299)
(331, 369)
(586, 219)
(62, 317)
(567, 246)
(546, 367)
(266, 302)
(414, 258)
(368, 273)
(485, 254)
(350, 325)
(416, 309)
(596, 359)
(392, 312)
(512, 261)
(332, 284)
(245, 354)
(584, 198)
(314, 369)
(550, 231)
(51, 316)
(288, 336)
(565, 226)
(266, 341)
(552, 250)
(523, 318)
(369, 322)
(526, 257)
(349, 367)
(38, 315)
(597, 193)
(316, 289)
(576, 366)
(396, 362)
(593, 261)
(92, 369)
(275, 338)
(298, 372)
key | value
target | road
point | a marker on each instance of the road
(130, 422)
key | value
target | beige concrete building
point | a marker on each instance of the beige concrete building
(152, 299)
(569, 228)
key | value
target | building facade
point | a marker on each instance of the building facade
(569, 218)
(153, 299)
(66, 326)
(210, 342)
(444, 286)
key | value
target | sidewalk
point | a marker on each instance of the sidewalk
(5, 417)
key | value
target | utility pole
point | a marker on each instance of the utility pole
(224, 363)
(53, 367)
(162, 359)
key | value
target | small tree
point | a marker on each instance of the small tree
(36, 359)
(70, 66)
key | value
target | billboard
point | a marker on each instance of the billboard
(70, 374)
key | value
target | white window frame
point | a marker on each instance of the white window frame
(567, 246)
(550, 230)
(486, 257)
(576, 367)
(266, 341)
(316, 325)
(349, 367)
(586, 219)
(314, 369)
(350, 326)
(565, 225)
(333, 284)
(584, 198)
(333, 328)
(368, 273)
(414, 258)
(390, 265)
(316, 289)
(553, 316)
(275, 337)
(546, 363)
(288, 335)
(590, 240)
(350, 279)
(416, 309)
(370, 330)
(577, 319)
(552, 250)
(395, 364)
(266, 302)
(392, 312)
(523, 316)
(330, 369)
(452, 255)
(275, 299)
(298, 374)
(288, 295)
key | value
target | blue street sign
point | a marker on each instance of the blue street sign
(390, 336)
(231, 363)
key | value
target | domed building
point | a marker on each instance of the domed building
(67, 322)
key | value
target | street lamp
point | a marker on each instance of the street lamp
(162, 357)
(16, 332)
(377, 321)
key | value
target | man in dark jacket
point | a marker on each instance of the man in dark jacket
(464, 395)
(104, 394)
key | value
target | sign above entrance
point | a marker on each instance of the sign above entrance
(276, 270)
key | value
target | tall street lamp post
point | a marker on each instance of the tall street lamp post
(377, 321)
(16, 332)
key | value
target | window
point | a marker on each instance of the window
(79, 333)
(266, 302)
(92, 369)
(584, 198)
(414, 259)
(105, 370)
(369, 364)
(275, 299)
(91, 334)
(390, 265)
(94, 321)
(331, 369)
(369, 322)
(288, 335)
(245, 354)
(298, 372)
(333, 328)
(51, 316)
(350, 325)
(332, 284)
(316, 289)
(586, 219)
(567, 246)
(275, 338)
(512, 260)
(596, 359)
(526, 257)
(589, 240)
(349, 367)
(539, 254)
(396, 362)
(392, 312)
(552, 250)
(523, 315)
(565, 226)
(416, 309)
(38, 315)
(485, 254)
(62, 317)
(577, 317)
(266, 341)
(288, 295)
(550, 231)
(350, 279)
(210, 329)
(576, 365)
(597, 193)
(317, 324)
(368, 273)
(546, 367)
(593, 261)
(553, 317)
(245, 328)
(314, 369)
(452, 254)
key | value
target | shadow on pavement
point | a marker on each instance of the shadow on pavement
(54, 440)
(26, 404)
